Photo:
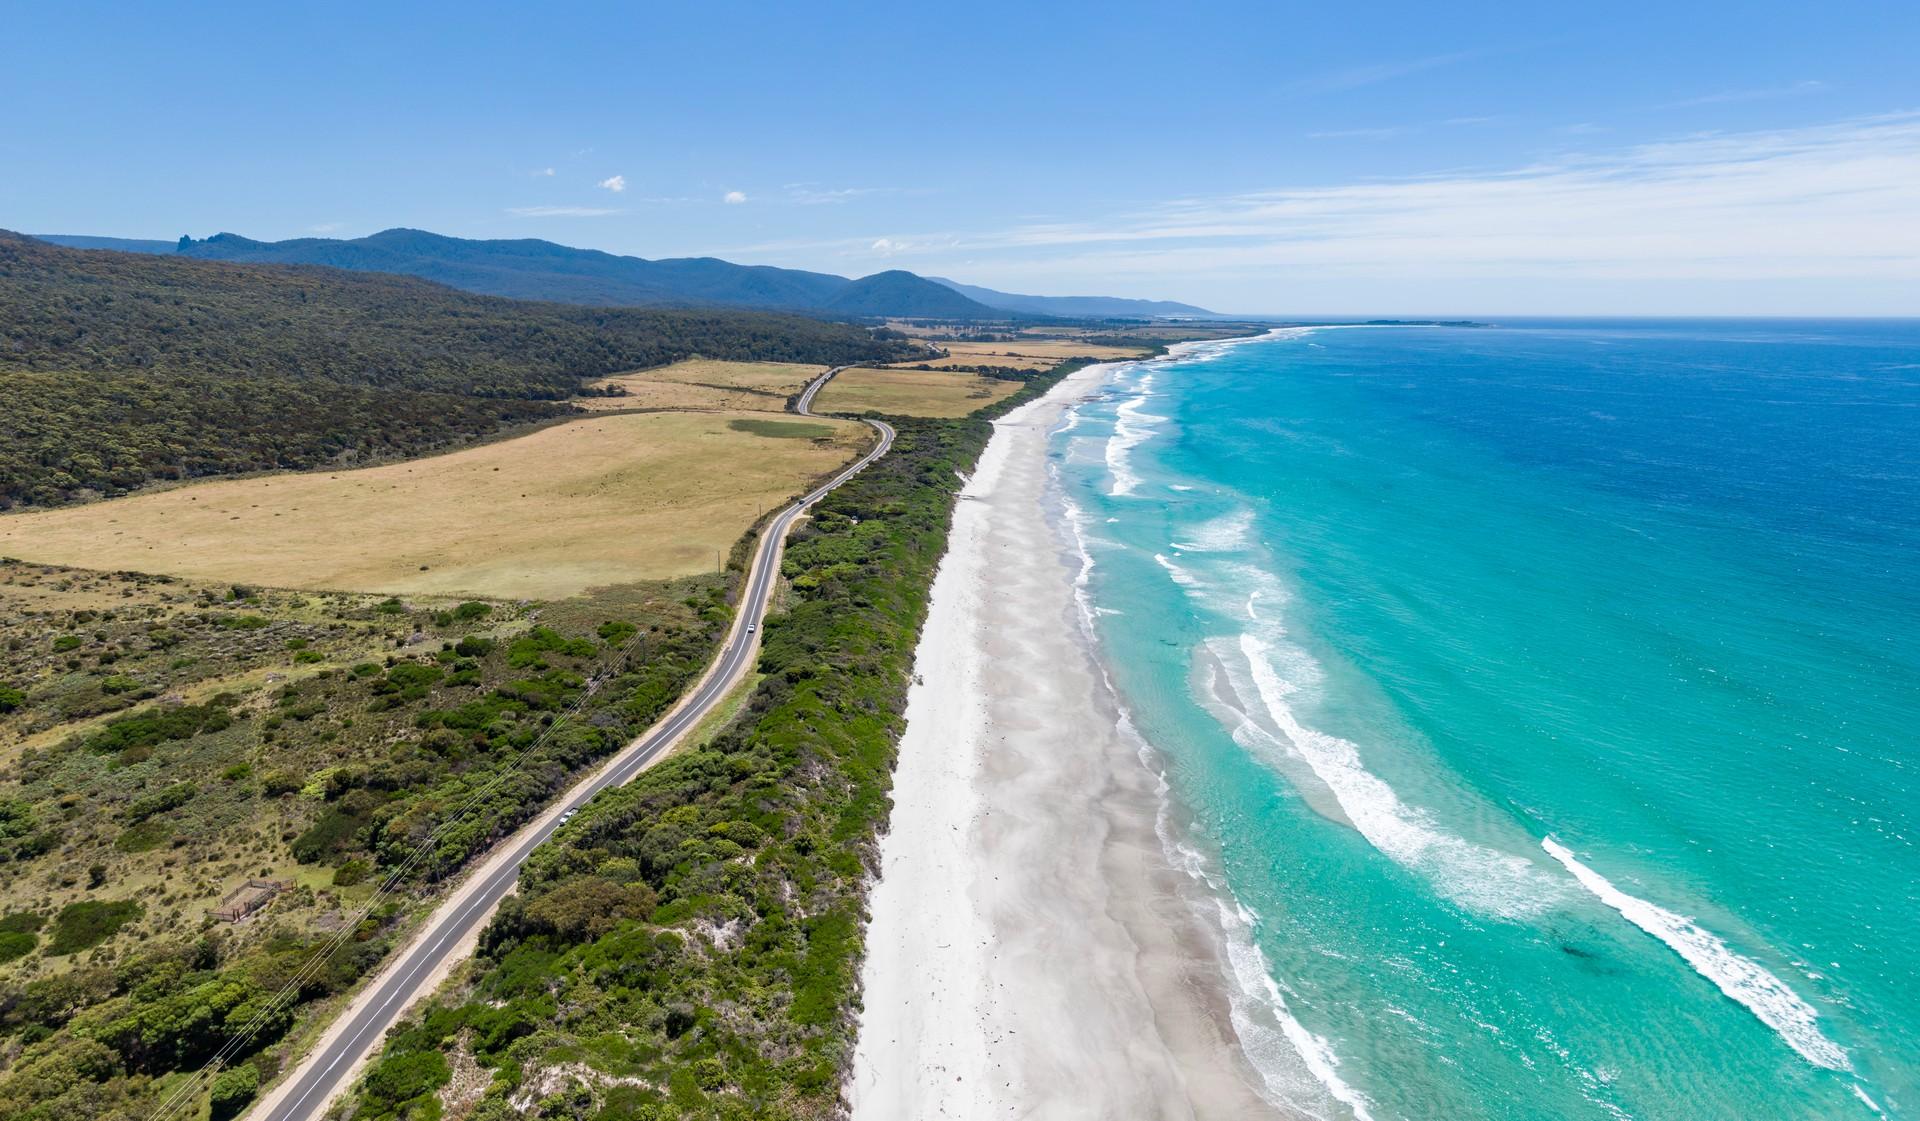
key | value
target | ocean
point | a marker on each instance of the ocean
(1537, 704)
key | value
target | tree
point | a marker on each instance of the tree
(233, 1088)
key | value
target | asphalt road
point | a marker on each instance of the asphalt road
(323, 1074)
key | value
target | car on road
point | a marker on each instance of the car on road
(751, 627)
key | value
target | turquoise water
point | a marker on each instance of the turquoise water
(1540, 702)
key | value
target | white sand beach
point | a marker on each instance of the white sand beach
(1031, 952)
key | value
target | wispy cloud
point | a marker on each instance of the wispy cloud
(1385, 133)
(327, 227)
(734, 198)
(1832, 202)
(1769, 93)
(614, 183)
(812, 194)
(561, 211)
(1354, 77)
(544, 173)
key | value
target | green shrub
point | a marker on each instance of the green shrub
(160, 801)
(11, 699)
(16, 944)
(65, 643)
(474, 646)
(471, 610)
(232, 1089)
(282, 782)
(152, 726)
(616, 631)
(84, 925)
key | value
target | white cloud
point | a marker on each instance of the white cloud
(808, 194)
(734, 198)
(1375, 73)
(1728, 97)
(1822, 217)
(544, 173)
(561, 211)
(614, 183)
(327, 227)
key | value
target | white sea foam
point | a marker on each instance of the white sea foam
(1228, 533)
(1476, 876)
(1132, 426)
(1741, 978)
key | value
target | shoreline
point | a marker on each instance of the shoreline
(1032, 948)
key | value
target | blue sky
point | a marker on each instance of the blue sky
(1760, 158)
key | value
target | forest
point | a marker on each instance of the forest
(120, 369)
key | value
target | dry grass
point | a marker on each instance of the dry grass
(1022, 354)
(704, 383)
(608, 500)
(908, 393)
(1055, 350)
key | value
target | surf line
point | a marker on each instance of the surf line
(1741, 978)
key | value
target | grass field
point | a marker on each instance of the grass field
(1022, 354)
(608, 500)
(702, 383)
(930, 393)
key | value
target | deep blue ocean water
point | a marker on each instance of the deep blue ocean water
(1541, 702)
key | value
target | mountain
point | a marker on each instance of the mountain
(122, 244)
(530, 269)
(119, 368)
(901, 293)
(1072, 307)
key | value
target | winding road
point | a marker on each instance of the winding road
(450, 933)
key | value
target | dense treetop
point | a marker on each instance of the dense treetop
(117, 369)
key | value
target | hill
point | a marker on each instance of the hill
(117, 368)
(530, 269)
(901, 293)
(1072, 307)
(123, 244)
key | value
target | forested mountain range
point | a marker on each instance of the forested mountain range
(531, 269)
(1073, 307)
(120, 368)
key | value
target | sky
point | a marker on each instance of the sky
(1281, 158)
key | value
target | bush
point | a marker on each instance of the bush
(474, 646)
(11, 699)
(159, 802)
(233, 1088)
(16, 944)
(17, 935)
(282, 782)
(84, 925)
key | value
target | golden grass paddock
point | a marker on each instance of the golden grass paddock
(706, 383)
(932, 393)
(584, 504)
